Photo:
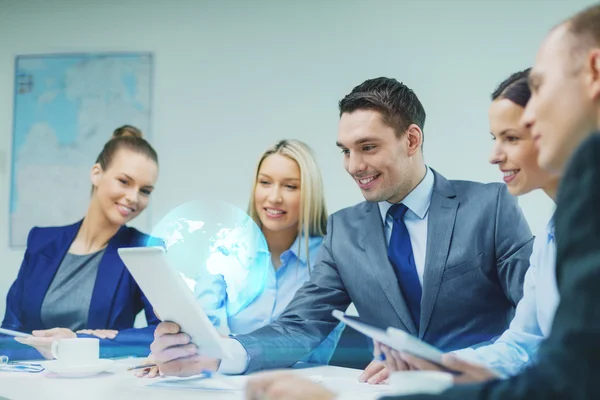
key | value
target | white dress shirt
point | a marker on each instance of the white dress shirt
(415, 219)
(517, 347)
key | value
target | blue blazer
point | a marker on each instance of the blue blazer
(116, 297)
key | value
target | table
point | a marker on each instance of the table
(118, 383)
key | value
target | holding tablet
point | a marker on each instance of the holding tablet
(13, 333)
(401, 341)
(394, 338)
(171, 298)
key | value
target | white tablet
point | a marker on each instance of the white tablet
(172, 299)
(406, 342)
(394, 338)
(426, 351)
(14, 333)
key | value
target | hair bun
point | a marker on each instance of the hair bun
(127, 130)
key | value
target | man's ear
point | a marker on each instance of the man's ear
(593, 64)
(414, 137)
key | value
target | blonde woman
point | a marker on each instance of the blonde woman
(288, 204)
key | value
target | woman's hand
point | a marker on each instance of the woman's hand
(100, 333)
(42, 340)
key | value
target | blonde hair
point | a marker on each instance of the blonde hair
(313, 211)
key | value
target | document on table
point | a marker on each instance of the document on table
(238, 383)
(202, 382)
(216, 382)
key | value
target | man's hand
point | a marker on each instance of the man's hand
(150, 372)
(285, 385)
(379, 371)
(42, 340)
(375, 373)
(175, 355)
(100, 333)
(467, 372)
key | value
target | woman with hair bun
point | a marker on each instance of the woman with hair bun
(72, 281)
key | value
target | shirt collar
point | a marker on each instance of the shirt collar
(313, 242)
(417, 201)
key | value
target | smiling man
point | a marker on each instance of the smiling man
(459, 272)
(443, 260)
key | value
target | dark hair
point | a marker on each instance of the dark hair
(125, 137)
(127, 130)
(514, 88)
(398, 105)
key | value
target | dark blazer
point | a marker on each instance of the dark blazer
(116, 297)
(569, 360)
(478, 249)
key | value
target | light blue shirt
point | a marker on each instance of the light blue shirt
(415, 219)
(517, 347)
(280, 288)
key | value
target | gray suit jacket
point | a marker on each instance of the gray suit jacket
(478, 248)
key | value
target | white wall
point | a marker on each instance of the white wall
(234, 76)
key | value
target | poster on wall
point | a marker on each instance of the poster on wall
(66, 107)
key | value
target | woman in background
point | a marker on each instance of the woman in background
(72, 280)
(288, 204)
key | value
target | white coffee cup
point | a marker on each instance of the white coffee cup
(76, 351)
(414, 382)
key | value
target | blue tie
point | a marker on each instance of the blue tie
(401, 256)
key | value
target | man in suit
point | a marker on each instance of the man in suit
(452, 273)
(563, 110)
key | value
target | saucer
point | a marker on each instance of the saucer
(77, 370)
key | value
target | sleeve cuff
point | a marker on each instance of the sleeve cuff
(238, 363)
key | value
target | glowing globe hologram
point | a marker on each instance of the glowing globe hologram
(219, 251)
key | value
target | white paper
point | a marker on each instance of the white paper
(216, 382)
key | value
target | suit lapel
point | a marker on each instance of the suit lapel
(374, 243)
(440, 225)
(110, 272)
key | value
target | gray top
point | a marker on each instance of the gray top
(67, 301)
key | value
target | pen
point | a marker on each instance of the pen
(377, 353)
(143, 366)
(24, 363)
(205, 372)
